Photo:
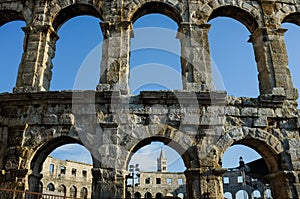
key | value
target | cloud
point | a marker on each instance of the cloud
(73, 152)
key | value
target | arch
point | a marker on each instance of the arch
(12, 47)
(83, 193)
(157, 7)
(73, 191)
(242, 194)
(238, 14)
(159, 196)
(62, 189)
(256, 194)
(50, 187)
(137, 195)
(227, 195)
(292, 18)
(267, 145)
(46, 148)
(72, 11)
(148, 195)
(10, 15)
(167, 138)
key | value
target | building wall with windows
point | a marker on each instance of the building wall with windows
(159, 183)
(66, 177)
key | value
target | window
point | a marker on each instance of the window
(164, 168)
(169, 181)
(73, 172)
(62, 170)
(180, 181)
(84, 173)
(147, 180)
(226, 180)
(240, 179)
(51, 168)
(158, 181)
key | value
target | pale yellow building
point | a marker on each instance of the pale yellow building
(66, 177)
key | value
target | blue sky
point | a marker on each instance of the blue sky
(78, 46)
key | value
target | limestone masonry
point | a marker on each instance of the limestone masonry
(198, 122)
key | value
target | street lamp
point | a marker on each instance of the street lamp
(133, 169)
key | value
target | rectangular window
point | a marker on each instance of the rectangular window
(240, 179)
(51, 168)
(226, 180)
(180, 181)
(158, 181)
(169, 180)
(73, 172)
(147, 180)
(84, 173)
(62, 170)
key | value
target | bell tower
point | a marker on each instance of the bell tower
(162, 162)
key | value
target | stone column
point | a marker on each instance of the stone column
(193, 189)
(34, 73)
(108, 183)
(283, 185)
(195, 57)
(272, 62)
(115, 56)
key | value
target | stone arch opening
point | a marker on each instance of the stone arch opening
(236, 13)
(84, 193)
(73, 191)
(163, 169)
(157, 7)
(12, 39)
(50, 187)
(57, 170)
(154, 48)
(270, 149)
(184, 153)
(81, 37)
(224, 48)
(292, 25)
(10, 15)
(227, 195)
(72, 11)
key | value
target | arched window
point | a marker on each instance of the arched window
(62, 189)
(137, 195)
(227, 195)
(73, 192)
(84, 193)
(50, 187)
(256, 194)
(159, 196)
(241, 194)
(155, 55)
(233, 62)
(148, 195)
(11, 50)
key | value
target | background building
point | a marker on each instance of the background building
(158, 184)
(66, 177)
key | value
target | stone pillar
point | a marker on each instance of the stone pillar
(3, 144)
(272, 62)
(283, 185)
(195, 57)
(108, 183)
(115, 56)
(34, 73)
(193, 189)
(34, 180)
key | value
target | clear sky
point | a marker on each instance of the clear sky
(80, 43)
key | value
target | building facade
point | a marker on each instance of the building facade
(66, 178)
(158, 184)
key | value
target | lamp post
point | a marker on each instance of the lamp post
(133, 169)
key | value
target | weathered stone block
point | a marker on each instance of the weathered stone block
(249, 111)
